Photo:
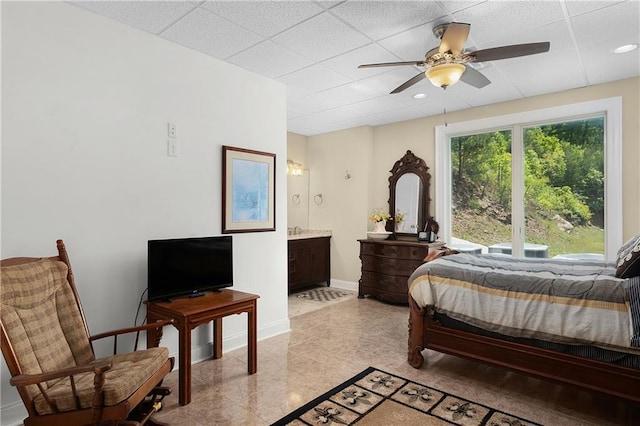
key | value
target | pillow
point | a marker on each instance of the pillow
(628, 262)
(439, 252)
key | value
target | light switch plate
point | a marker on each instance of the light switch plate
(172, 147)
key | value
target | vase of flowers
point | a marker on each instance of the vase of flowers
(379, 219)
(399, 220)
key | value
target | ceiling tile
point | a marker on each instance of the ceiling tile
(344, 95)
(266, 18)
(377, 105)
(328, 4)
(209, 33)
(549, 73)
(321, 37)
(495, 20)
(556, 33)
(269, 59)
(151, 16)
(379, 19)
(394, 116)
(329, 116)
(347, 64)
(625, 15)
(440, 102)
(412, 45)
(578, 7)
(604, 66)
(451, 6)
(315, 78)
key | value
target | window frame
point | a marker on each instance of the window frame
(610, 108)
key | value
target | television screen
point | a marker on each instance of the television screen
(188, 266)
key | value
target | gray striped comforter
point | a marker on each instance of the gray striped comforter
(554, 300)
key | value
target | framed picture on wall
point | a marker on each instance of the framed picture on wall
(248, 190)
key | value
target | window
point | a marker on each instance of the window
(537, 184)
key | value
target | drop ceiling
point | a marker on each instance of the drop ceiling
(315, 47)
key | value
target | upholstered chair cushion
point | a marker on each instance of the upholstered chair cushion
(42, 319)
(129, 371)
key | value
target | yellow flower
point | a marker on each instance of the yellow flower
(399, 217)
(379, 216)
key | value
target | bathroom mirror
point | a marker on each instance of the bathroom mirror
(409, 196)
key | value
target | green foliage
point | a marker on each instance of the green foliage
(481, 167)
(563, 171)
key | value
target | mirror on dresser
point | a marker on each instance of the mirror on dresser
(409, 196)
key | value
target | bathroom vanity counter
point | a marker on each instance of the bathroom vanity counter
(309, 259)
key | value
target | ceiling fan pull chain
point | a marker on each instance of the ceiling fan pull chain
(445, 118)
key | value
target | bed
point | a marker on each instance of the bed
(576, 323)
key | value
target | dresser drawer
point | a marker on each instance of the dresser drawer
(397, 251)
(379, 283)
(389, 265)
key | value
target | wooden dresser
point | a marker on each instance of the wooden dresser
(386, 266)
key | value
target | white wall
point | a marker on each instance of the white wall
(298, 208)
(85, 107)
(345, 202)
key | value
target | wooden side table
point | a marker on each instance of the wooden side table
(188, 313)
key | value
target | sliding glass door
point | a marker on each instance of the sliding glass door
(531, 190)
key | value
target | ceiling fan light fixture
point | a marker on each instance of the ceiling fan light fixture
(445, 75)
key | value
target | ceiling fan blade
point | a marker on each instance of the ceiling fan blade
(392, 64)
(409, 83)
(454, 38)
(474, 77)
(512, 51)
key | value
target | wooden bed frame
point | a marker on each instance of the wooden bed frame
(427, 333)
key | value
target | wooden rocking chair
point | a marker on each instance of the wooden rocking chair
(49, 353)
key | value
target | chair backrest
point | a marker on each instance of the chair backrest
(42, 324)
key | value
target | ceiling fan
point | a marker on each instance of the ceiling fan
(448, 63)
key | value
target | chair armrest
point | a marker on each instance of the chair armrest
(97, 368)
(33, 379)
(143, 327)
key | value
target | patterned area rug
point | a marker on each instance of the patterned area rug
(323, 294)
(375, 397)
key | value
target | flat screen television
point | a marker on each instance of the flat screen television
(188, 266)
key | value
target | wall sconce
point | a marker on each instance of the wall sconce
(294, 169)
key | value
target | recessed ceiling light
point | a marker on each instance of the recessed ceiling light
(419, 96)
(626, 48)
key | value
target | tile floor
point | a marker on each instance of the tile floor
(327, 346)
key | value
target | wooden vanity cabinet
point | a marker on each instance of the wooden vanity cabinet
(309, 262)
(387, 265)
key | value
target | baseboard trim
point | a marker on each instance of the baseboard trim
(344, 285)
(13, 414)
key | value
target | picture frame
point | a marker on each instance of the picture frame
(248, 190)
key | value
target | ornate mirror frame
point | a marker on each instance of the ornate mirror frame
(409, 163)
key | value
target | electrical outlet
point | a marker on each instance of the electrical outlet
(172, 148)
(171, 130)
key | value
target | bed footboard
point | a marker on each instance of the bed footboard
(597, 376)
